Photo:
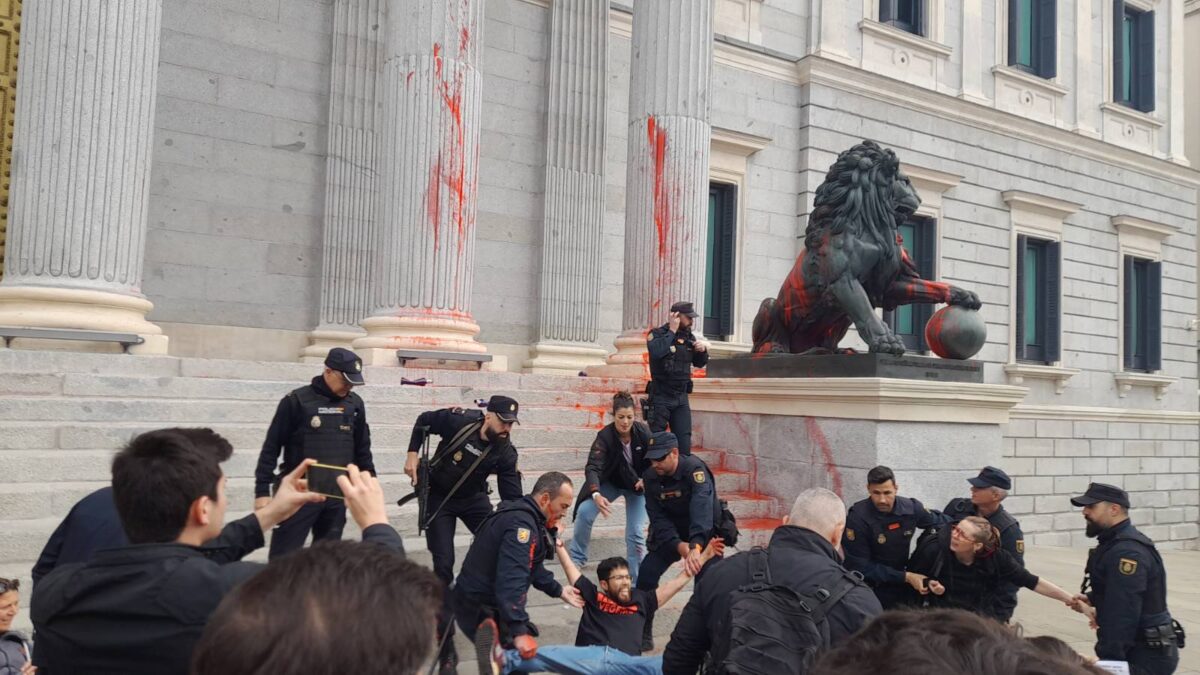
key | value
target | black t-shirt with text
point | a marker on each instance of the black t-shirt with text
(607, 623)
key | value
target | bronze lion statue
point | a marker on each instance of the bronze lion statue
(853, 261)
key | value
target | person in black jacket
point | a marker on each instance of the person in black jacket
(988, 490)
(674, 350)
(141, 608)
(324, 421)
(473, 446)
(505, 559)
(804, 555)
(91, 525)
(963, 566)
(614, 469)
(1125, 587)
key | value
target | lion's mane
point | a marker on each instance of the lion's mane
(856, 197)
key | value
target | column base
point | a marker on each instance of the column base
(40, 307)
(631, 360)
(386, 334)
(551, 358)
(323, 339)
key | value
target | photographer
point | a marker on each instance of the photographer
(674, 351)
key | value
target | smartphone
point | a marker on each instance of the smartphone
(322, 479)
(924, 582)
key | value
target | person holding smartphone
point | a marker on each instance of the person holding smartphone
(674, 351)
(324, 421)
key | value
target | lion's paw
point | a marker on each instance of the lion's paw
(887, 344)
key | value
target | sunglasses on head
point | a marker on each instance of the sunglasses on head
(7, 585)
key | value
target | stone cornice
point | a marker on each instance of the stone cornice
(938, 181)
(1055, 208)
(1097, 414)
(737, 142)
(1143, 227)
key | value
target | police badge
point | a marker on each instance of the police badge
(458, 457)
(1127, 566)
(698, 476)
(882, 538)
(315, 422)
(523, 535)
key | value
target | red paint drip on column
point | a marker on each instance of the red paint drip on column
(818, 437)
(662, 206)
(450, 167)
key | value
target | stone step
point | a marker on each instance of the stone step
(74, 435)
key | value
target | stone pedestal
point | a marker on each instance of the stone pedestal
(81, 169)
(796, 433)
(905, 367)
(424, 249)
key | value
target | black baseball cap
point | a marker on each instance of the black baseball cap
(347, 363)
(685, 308)
(990, 476)
(505, 408)
(660, 445)
(1102, 492)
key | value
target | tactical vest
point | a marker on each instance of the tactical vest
(1154, 602)
(326, 431)
(675, 369)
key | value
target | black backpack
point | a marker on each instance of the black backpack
(772, 629)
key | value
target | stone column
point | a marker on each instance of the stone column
(350, 172)
(81, 168)
(666, 188)
(428, 156)
(573, 228)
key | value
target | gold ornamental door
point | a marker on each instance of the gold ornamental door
(10, 28)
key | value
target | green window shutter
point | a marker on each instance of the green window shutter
(1119, 56)
(725, 279)
(1153, 300)
(1019, 294)
(1046, 25)
(1130, 313)
(1144, 62)
(887, 11)
(926, 247)
(1053, 348)
(1014, 31)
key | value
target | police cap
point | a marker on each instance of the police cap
(347, 363)
(990, 476)
(1102, 492)
(505, 408)
(686, 309)
(660, 445)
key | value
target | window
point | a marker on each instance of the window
(1143, 314)
(718, 277)
(1037, 294)
(907, 15)
(1033, 36)
(1133, 57)
(908, 321)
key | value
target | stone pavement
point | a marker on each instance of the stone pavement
(1064, 566)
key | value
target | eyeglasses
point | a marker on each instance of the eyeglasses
(618, 577)
(7, 585)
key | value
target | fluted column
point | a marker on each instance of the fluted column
(350, 174)
(428, 155)
(666, 189)
(81, 168)
(572, 230)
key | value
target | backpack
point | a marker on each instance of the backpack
(772, 629)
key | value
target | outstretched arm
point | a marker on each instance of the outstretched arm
(664, 593)
(564, 559)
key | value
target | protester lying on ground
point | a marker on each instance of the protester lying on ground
(91, 525)
(966, 569)
(943, 642)
(14, 646)
(732, 623)
(337, 607)
(141, 608)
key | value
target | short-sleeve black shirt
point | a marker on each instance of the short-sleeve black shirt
(607, 623)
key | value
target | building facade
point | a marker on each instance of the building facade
(538, 179)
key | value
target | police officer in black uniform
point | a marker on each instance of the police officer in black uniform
(505, 559)
(473, 446)
(325, 421)
(1125, 588)
(988, 490)
(878, 533)
(674, 350)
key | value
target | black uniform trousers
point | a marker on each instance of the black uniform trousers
(1144, 660)
(472, 509)
(325, 520)
(669, 408)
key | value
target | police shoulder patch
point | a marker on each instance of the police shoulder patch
(698, 475)
(523, 535)
(850, 534)
(1127, 566)
(1021, 546)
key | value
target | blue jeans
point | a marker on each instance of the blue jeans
(635, 527)
(582, 661)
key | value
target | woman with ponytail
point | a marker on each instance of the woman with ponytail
(614, 468)
(965, 568)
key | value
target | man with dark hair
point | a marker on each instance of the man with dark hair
(1125, 588)
(474, 445)
(325, 421)
(338, 607)
(674, 350)
(504, 560)
(988, 490)
(879, 530)
(141, 608)
(91, 525)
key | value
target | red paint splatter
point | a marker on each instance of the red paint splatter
(450, 167)
(408, 80)
(600, 411)
(657, 139)
(759, 524)
(818, 437)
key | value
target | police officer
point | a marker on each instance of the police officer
(505, 559)
(878, 532)
(988, 490)
(1125, 588)
(674, 350)
(473, 446)
(324, 421)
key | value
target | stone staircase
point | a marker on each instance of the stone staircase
(63, 414)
